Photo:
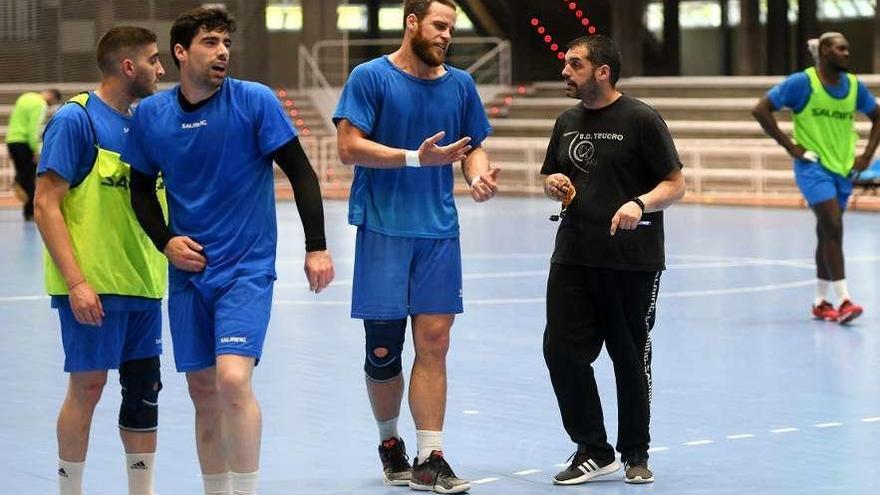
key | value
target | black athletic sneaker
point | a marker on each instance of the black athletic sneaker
(395, 463)
(583, 469)
(436, 475)
(637, 470)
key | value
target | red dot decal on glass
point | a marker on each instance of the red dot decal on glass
(547, 39)
(541, 30)
(592, 30)
(579, 14)
(585, 21)
(535, 21)
(572, 6)
(560, 55)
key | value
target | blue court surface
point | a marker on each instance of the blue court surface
(751, 396)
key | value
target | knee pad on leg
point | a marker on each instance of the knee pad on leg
(141, 382)
(384, 340)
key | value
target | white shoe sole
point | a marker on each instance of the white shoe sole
(614, 466)
(638, 480)
(396, 482)
(440, 489)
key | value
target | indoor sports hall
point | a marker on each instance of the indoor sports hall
(749, 392)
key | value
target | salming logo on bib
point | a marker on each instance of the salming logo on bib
(825, 125)
(112, 250)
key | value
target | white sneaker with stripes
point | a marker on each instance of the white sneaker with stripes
(583, 469)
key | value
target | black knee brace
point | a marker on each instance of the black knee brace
(141, 383)
(388, 335)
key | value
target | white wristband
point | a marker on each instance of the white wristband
(474, 181)
(412, 158)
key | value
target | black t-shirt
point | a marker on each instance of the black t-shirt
(611, 155)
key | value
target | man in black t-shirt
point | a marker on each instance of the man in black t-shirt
(617, 154)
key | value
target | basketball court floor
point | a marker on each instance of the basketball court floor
(751, 396)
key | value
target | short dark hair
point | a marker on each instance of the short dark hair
(55, 94)
(420, 7)
(188, 25)
(118, 40)
(601, 50)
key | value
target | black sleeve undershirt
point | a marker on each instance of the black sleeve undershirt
(147, 209)
(292, 160)
(290, 157)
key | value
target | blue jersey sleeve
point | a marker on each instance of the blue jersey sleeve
(793, 92)
(360, 100)
(68, 145)
(865, 101)
(273, 127)
(476, 124)
(136, 151)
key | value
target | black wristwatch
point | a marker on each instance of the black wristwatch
(639, 202)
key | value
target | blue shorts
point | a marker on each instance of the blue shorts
(818, 184)
(399, 276)
(210, 321)
(124, 336)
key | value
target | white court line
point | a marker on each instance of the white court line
(562, 464)
(23, 298)
(657, 449)
(697, 442)
(828, 425)
(527, 471)
(483, 480)
(525, 300)
(740, 436)
(871, 420)
(783, 430)
(470, 411)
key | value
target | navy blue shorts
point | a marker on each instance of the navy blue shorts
(208, 322)
(395, 277)
(124, 336)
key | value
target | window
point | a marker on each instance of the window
(284, 16)
(391, 19)
(351, 17)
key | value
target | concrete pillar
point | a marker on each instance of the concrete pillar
(748, 44)
(778, 50)
(672, 36)
(807, 28)
(628, 31)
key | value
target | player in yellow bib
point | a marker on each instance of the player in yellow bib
(104, 275)
(824, 100)
(23, 142)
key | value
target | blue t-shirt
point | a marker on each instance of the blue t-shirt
(794, 93)
(69, 151)
(398, 110)
(217, 165)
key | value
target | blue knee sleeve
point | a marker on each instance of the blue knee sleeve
(141, 382)
(388, 335)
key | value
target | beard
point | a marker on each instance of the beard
(144, 86)
(838, 67)
(589, 92)
(427, 51)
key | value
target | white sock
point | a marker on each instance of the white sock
(70, 477)
(427, 442)
(140, 473)
(821, 290)
(245, 483)
(841, 290)
(217, 484)
(387, 429)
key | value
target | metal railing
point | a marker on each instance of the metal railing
(757, 172)
(494, 63)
